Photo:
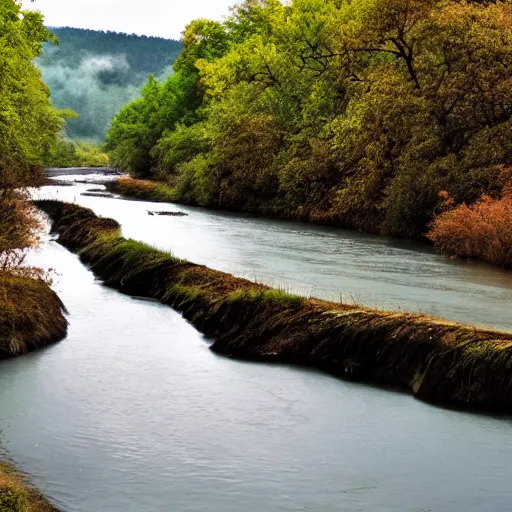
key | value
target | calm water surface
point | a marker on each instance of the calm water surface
(310, 260)
(132, 412)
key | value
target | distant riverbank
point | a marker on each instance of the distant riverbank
(491, 246)
(437, 361)
(73, 171)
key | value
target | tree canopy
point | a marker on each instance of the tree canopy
(28, 125)
(357, 113)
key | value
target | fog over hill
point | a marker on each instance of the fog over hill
(95, 73)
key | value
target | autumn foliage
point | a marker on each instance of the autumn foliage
(482, 231)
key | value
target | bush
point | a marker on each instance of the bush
(178, 147)
(482, 230)
(13, 498)
(18, 495)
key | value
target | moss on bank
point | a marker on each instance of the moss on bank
(437, 361)
(17, 495)
(31, 315)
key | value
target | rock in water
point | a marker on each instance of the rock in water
(169, 214)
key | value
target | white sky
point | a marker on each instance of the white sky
(164, 18)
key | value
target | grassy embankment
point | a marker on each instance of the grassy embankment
(17, 495)
(143, 190)
(31, 315)
(437, 361)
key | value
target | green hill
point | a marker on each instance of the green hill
(95, 73)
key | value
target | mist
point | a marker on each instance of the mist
(97, 73)
(95, 90)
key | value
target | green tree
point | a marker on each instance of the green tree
(353, 112)
(28, 126)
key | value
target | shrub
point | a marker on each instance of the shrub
(18, 495)
(482, 230)
(13, 498)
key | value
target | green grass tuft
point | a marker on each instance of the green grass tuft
(267, 297)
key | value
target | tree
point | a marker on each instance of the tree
(353, 112)
(28, 126)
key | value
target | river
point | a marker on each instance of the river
(334, 264)
(132, 412)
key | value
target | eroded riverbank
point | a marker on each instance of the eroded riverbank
(31, 315)
(438, 361)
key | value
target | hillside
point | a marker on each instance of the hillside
(95, 73)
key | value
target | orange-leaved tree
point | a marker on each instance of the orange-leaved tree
(482, 230)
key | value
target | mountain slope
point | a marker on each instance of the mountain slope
(95, 73)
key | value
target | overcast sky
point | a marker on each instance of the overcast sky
(164, 18)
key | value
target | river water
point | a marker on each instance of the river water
(132, 412)
(328, 263)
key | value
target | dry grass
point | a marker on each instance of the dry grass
(31, 315)
(437, 360)
(481, 231)
(17, 495)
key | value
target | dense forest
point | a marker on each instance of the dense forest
(94, 73)
(370, 114)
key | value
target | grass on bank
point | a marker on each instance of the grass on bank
(31, 315)
(143, 190)
(17, 495)
(438, 361)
